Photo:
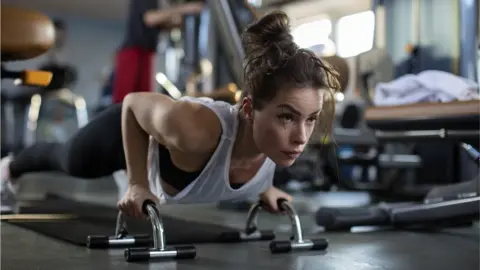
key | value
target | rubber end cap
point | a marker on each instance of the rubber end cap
(319, 244)
(97, 241)
(186, 252)
(136, 254)
(280, 246)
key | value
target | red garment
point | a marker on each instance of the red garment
(133, 72)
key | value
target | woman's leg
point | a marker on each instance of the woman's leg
(96, 150)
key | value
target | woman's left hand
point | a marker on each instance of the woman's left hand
(270, 198)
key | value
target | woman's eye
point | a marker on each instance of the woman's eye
(285, 117)
(312, 119)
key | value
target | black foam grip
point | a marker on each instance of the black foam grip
(230, 237)
(97, 241)
(144, 206)
(280, 246)
(319, 244)
(186, 252)
(267, 235)
(280, 203)
(136, 254)
(345, 218)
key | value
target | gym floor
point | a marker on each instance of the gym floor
(370, 249)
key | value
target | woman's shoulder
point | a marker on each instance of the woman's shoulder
(224, 110)
(226, 113)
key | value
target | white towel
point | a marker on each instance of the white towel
(427, 86)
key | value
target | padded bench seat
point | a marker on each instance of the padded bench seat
(457, 115)
(25, 34)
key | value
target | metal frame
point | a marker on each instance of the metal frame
(158, 231)
(159, 250)
(251, 225)
(229, 37)
(297, 241)
(64, 95)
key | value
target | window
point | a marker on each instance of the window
(314, 33)
(355, 34)
(255, 3)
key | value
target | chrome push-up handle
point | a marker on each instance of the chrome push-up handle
(139, 246)
(297, 241)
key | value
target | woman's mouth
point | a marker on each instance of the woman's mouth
(292, 154)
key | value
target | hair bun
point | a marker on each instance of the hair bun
(268, 42)
(273, 27)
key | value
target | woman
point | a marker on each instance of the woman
(205, 151)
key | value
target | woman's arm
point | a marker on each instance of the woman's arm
(179, 125)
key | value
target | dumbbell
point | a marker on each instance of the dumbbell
(251, 232)
(159, 250)
(297, 242)
(120, 238)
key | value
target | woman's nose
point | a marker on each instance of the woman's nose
(300, 136)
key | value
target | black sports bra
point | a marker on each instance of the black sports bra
(175, 177)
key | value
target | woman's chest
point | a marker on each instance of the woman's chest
(241, 174)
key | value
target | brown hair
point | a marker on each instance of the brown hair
(274, 62)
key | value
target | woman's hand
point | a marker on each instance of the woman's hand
(270, 198)
(132, 202)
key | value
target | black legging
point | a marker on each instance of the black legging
(96, 150)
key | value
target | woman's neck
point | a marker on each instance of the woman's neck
(244, 149)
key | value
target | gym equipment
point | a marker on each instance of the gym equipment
(89, 220)
(26, 34)
(27, 77)
(386, 250)
(228, 35)
(457, 121)
(190, 63)
(159, 250)
(65, 96)
(64, 76)
(120, 238)
(443, 207)
(296, 243)
(251, 231)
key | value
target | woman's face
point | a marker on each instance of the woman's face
(282, 128)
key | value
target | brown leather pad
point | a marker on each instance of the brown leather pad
(425, 116)
(25, 33)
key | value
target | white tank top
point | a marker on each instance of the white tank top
(212, 185)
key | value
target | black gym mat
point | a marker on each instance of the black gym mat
(100, 220)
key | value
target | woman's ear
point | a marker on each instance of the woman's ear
(247, 108)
